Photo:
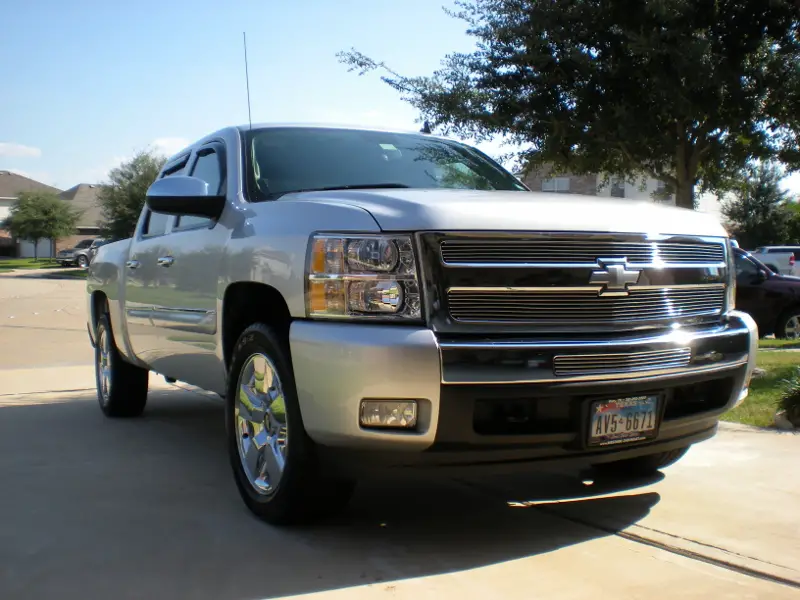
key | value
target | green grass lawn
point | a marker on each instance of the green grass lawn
(779, 344)
(765, 392)
(9, 264)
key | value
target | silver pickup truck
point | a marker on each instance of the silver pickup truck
(373, 300)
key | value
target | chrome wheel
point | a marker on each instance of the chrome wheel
(261, 423)
(103, 364)
(792, 329)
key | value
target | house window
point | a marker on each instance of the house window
(555, 184)
(617, 188)
(661, 186)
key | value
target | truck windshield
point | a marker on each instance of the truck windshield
(283, 160)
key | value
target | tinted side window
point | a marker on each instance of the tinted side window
(745, 269)
(207, 167)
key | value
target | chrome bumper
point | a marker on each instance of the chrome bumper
(338, 364)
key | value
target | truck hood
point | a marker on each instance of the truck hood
(475, 210)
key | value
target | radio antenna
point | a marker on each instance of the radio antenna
(247, 81)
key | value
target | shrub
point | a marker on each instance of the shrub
(790, 399)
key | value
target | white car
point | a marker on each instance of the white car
(784, 260)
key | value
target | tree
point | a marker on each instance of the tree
(793, 212)
(760, 213)
(41, 215)
(686, 91)
(123, 197)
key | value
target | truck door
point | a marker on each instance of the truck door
(144, 282)
(188, 263)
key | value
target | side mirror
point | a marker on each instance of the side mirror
(182, 195)
(762, 275)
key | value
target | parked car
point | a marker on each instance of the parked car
(773, 300)
(79, 255)
(372, 300)
(784, 260)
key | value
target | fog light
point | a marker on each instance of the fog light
(399, 414)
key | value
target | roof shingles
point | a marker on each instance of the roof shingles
(83, 197)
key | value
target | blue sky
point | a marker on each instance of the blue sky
(89, 82)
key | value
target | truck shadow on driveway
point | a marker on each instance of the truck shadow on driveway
(147, 508)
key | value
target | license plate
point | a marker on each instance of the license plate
(623, 420)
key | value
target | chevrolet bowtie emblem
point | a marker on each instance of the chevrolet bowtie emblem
(615, 277)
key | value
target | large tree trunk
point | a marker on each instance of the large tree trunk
(36, 250)
(684, 195)
(685, 175)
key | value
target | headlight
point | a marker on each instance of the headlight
(730, 300)
(365, 276)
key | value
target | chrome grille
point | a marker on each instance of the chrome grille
(577, 306)
(594, 364)
(487, 252)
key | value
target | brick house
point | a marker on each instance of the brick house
(543, 180)
(82, 197)
(11, 185)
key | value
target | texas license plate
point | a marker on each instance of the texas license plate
(623, 420)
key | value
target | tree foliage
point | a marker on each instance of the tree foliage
(760, 213)
(123, 197)
(686, 91)
(41, 215)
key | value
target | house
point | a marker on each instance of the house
(11, 184)
(83, 198)
(653, 190)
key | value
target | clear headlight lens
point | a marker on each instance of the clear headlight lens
(365, 276)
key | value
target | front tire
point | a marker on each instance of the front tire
(274, 462)
(83, 262)
(642, 466)
(121, 386)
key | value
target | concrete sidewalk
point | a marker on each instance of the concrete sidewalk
(58, 381)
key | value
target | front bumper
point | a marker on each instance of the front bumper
(459, 384)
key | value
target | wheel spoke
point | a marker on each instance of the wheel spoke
(251, 456)
(251, 404)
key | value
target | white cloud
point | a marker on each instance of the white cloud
(169, 145)
(12, 150)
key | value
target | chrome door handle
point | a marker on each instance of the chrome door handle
(132, 264)
(165, 261)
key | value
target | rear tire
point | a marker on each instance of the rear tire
(121, 386)
(642, 465)
(274, 462)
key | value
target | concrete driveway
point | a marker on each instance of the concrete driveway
(94, 508)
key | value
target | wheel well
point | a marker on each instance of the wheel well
(773, 268)
(246, 303)
(99, 306)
